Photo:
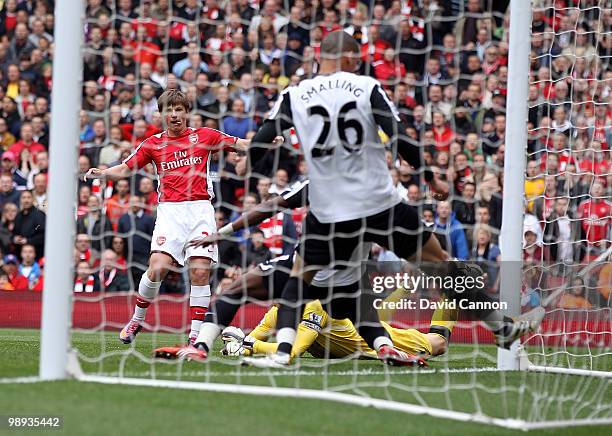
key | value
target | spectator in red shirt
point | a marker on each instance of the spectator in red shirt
(145, 20)
(330, 22)
(119, 203)
(26, 143)
(375, 48)
(596, 216)
(82, 244)
(137, 132)
(10, 15)
(595, 161)
(84, 193)
(118, 247)
(442, 133)
(11, 268)
(84, 281)
(145, 50)
(389, 69)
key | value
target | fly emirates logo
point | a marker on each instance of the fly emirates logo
(181, 160)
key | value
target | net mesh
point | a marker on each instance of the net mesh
(444, 64)
(569, 160)
(445, 67)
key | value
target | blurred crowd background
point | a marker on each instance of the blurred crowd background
(443, 63)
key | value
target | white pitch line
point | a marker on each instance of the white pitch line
(30, 379)
(299, 372)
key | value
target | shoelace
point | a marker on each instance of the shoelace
(183, 352)
(132, 326)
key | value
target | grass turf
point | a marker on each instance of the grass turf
(101, 409)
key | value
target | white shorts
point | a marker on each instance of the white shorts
(178, 223)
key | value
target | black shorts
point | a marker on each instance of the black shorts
(275, 274)
(398, 229)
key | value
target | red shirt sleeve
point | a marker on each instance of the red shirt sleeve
(218, 140)
(139, 157)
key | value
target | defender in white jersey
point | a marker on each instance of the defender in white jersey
(352, 200)
(338, 131)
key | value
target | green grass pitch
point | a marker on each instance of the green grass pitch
(96, 409)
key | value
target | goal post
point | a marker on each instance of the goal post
(511, 236)
(59, 238)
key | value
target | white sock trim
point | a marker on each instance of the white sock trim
(199, 296)
(195, 327)
(286, 334)
(148, 289)
(140, 313)
(208, 333)
(382, 340)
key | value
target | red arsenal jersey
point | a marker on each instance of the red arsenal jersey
(181, 162)
(272, 229)
(596, 219)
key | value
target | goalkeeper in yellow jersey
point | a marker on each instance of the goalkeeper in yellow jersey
(326, 337)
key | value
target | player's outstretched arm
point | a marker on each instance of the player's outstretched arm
(297, 197)
(279, 119)
(116, 172)
(255, 216)
(242, 145)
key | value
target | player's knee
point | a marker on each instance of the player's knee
(158, 268)
(199, 276)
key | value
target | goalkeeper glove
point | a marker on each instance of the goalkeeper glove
(232, 334)
(239, 348)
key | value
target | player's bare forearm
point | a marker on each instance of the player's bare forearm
(260, 213)
(256, 216)
(269, 133)
(440, 187)
(116, 172)
(242, 145)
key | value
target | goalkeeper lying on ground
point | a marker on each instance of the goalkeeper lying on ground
(318, 333)
(325, 337)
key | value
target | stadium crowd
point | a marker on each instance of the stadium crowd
(443, 63)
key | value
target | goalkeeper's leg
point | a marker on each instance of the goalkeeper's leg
(358, 306)
(506, 329)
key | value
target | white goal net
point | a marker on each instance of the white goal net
(445, 65)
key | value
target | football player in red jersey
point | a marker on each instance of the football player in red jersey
(596, 216)
(181, 156)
